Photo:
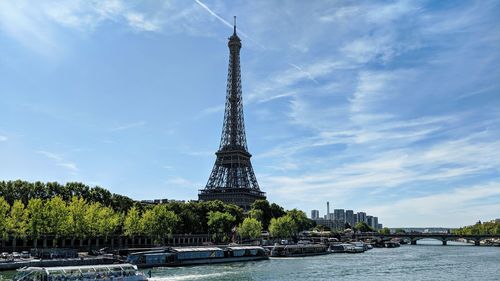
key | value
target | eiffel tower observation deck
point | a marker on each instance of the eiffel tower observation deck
(232, 179)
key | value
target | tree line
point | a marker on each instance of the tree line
(24, 191)
(480, 228)
(75, 210)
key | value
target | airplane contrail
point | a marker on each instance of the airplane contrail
(226, 22)
(213, 13)
(309, 75)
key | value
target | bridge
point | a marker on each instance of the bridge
(414, 237)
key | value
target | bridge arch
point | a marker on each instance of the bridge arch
(443, 240)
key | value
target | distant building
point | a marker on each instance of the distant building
(160, 201)
(375, 223)
(339, 215)
(380, 226)
(327, 209)
(331, 216)
(315, 214)
(324, 222)
(369, 221)
(361, 217)
(349, 217)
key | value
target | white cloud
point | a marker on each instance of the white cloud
(440, 209)
(211, 110)
(282, 83)
(26, 24)
(138, 21)
(181, 182)
(60, 161)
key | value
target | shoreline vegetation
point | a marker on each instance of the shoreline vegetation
(32, 210)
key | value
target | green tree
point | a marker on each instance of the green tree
(282, 227)
(220, 225)
(17, 221)
(4, 211)
(56, 217)
(385, 230)
(399, 230)
(91, 219)
(107, 221)
(76, 224)
(256, 214)
(363, 227)
(132, 225)
(262, 207)
(300, 219)
(36, 218)
(159, 223)
(250, 228)
(277, 211)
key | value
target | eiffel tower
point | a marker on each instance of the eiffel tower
(232, 179)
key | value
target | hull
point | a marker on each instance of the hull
(203, 261)
(301, 255)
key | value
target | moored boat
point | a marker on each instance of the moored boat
(299, 250)
(122, 272)
(179, 256)
(392, 244)
(359, 246)
(341, 248)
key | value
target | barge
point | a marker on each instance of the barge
(180, 256)
(298, 250)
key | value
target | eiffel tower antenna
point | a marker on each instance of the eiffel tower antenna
(232, 179)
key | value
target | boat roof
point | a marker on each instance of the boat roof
(195, 249)
(158, 251)
(302, 246)
(81, 267)
(245, 248)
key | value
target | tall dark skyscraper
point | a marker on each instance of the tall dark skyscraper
(232, 179)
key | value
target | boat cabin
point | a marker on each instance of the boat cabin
(80, 273)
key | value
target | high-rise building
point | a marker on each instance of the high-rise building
(349, 217)
(339, 215)
(361, 217)
(375, 223)
(380, 226)
(315, 214)
(232, 179)
(369, 221)
(327, 209)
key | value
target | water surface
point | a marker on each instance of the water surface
(408, 263)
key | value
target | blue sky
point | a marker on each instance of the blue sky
(389, 107)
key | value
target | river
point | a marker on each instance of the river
(426, 261)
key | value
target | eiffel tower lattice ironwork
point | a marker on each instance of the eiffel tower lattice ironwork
(232, 179)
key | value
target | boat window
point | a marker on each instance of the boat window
(238, 253)
(128, 268)
(200, 255)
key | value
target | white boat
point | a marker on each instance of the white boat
(117, 272)
(359, 246)
(341, 248)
